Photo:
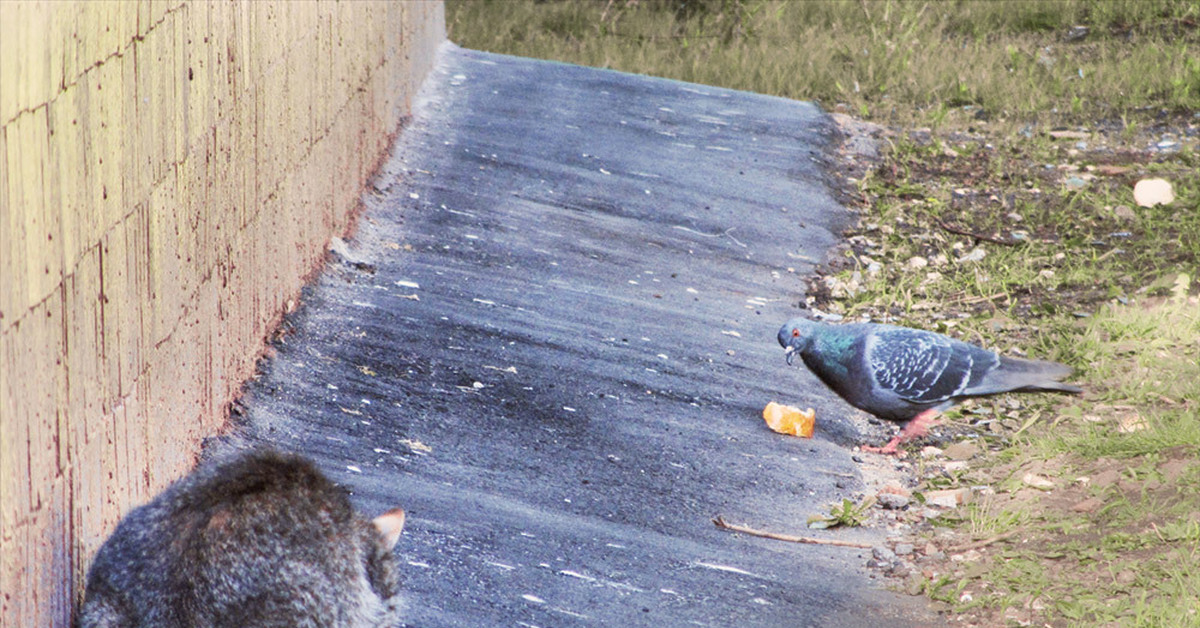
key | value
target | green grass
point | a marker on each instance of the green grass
(1142, 360)
(890, 60)
(1133, 561)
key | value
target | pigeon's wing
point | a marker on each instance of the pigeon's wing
(924, 367)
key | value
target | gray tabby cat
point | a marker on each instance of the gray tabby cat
(254, 540)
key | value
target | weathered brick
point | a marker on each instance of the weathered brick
(169, 172)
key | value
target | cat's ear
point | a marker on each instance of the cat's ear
(390, 524)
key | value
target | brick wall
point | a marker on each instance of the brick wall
(169, 173)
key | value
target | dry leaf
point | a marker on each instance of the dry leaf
(948, 498)
(1130, 422)
(1040, 482)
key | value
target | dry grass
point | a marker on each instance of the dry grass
(904, 62)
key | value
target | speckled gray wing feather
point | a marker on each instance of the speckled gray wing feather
(924, 367)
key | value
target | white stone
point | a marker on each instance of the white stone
(1151, 192)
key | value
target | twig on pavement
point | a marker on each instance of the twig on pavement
(720, 522)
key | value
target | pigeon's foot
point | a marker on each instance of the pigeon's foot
(887, 450)
(917, 427)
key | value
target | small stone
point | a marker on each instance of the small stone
(976, 254)
(904, 549)
(883, 554)
(964, 450)
(1151, 192)
(899, 569)
(955, 465)
(917, 262)
(892, 501)
(969, 556)
(1090, 504)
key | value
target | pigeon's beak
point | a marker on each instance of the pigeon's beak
(790, 353)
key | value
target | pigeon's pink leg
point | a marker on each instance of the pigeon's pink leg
(918, 426)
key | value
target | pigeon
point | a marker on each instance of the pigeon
(906, 374)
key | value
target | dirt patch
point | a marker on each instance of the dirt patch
(1044, 535)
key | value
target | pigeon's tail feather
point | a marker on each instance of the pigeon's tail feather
(1017, 375)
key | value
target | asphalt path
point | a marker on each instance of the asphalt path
(551, 339)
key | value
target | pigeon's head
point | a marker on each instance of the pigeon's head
(795, 335)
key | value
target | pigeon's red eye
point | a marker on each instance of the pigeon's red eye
(795, 332)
